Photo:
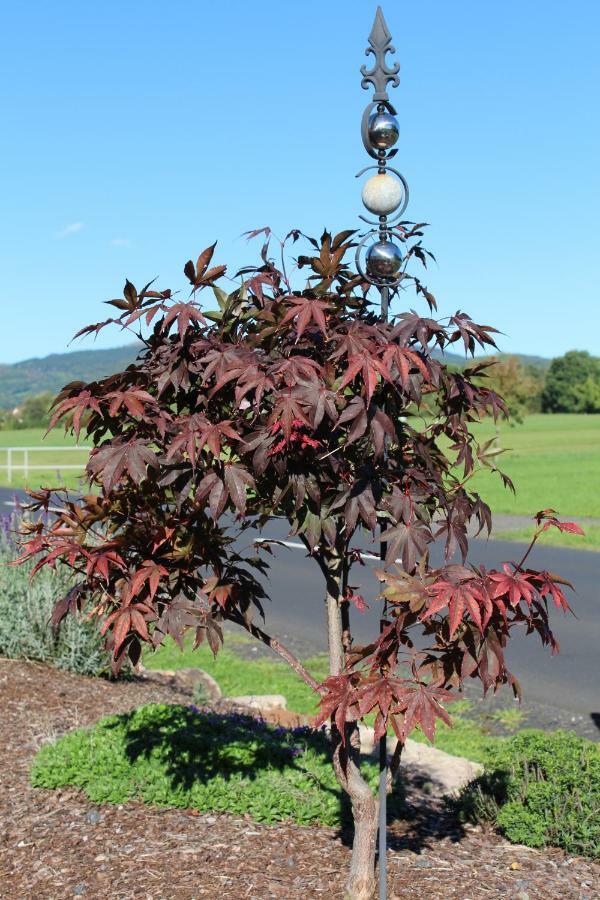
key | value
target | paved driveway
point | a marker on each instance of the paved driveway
(570, 680)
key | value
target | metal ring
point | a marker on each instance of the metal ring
(364, 129)
(357, 260)
(403, 182)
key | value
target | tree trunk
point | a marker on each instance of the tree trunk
(361, 879)
(361, 883)
(332, 570)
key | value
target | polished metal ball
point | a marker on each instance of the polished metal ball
(383, 130)
(384, 261)
(382, 194)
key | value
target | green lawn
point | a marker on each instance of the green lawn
(236, 676)
(589, 541)
(53, 461)
(554, 461)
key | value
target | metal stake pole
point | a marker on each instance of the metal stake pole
(384, 195)
(383, 764)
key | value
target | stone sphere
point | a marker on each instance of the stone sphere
(382, 194)
(384, 260)
(383, 130)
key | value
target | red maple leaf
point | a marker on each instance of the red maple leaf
(304, 310)
(371, 369)
(339, 701)
(548, 517)
(150, 572)
(547, 585)
(515, 585)
(460, 596)
(357, 599)
(420, 705)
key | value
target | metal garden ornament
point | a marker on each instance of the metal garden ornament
(385, 195)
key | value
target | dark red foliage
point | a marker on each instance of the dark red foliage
(298, 402)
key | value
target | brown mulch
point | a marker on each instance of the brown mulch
(56, 844)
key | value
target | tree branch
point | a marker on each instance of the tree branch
(394, 765)
(277, 647)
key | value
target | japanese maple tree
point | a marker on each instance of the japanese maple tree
(294, 399)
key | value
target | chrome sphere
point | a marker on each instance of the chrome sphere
(383, 130)
(384, 261)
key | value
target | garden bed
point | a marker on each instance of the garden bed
(57, 844)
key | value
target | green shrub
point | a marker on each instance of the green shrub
(540, 789)
(25, 611)
(176, 756)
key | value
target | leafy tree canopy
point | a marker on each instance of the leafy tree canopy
(291, 400)
(572, 384)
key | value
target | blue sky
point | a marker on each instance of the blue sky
(134, 134)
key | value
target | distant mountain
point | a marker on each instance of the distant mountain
(51, 373)
(458, 359)
(538, 362)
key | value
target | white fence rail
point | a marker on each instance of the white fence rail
(18, 460)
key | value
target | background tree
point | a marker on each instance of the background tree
(34, 412)
(572, 384)
(288, 400)
(518, 384)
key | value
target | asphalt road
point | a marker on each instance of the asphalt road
(570, 681)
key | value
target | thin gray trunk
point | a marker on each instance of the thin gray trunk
(346, 758)
(332, 569)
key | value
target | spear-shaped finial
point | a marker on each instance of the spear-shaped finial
(384, 194)
(380, 75)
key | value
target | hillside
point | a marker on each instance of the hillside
(50, 373)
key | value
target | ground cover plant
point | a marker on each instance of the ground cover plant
(289, 400)
(540, 789)
(176, 756)
(26, 609)
(236, 675)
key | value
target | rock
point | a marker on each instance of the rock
(260, 701)
(439, 772)
(185, 680)
(264, 707)
(93, 817)
(79, 889)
